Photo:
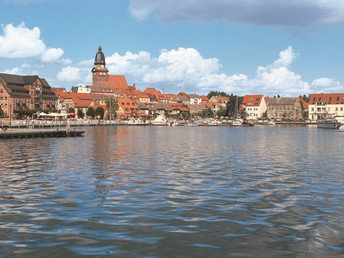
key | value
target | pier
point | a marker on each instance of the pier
(39, 133)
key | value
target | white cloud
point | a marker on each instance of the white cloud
(52, 55)
(22, 42)
(326, 85)
(257, 12)
(23, 69)
(72, 74)
(185, 69)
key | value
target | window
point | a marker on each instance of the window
(341, 109)
(123, 104)
(127, 109)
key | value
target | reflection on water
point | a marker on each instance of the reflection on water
(157, 191)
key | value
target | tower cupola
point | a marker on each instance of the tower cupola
(100, 58)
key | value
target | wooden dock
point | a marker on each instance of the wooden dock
(39, 133)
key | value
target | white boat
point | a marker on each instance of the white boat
(236, 122)
(271, 123)
(160, 120)
(332, 123)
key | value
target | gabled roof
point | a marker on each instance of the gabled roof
(304, 103)
(127, 103)
(116, 82)
(267, 99)
(56, 90)
(252, 100)
(179, 106)
(204, 98)
(284, 101)
(18, 79)
(327, 98)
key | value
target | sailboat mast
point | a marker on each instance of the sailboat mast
(236, 108)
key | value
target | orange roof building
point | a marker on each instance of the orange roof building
(254, 106)
(325, 105)
(127, 107)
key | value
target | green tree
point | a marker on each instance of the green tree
(207, 112)
(221, 112)
(304, 97)
(80, 114)
(112, 107)
(90, 112)
(231, 104)
(100, 112)
(217, 93)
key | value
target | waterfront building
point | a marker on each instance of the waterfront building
(195, 108)
(195, 99)
(254, 106)
(221, 100)
(155, 95)
(183, 97)
(171, 98)
(143, 98)
(326, 105)
(22, 96)
(284, 108)
(178, 108)
(127, 108)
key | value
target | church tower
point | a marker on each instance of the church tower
(99, 71)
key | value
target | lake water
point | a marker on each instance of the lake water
(174, 191)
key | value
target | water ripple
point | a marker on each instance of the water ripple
(208, 192)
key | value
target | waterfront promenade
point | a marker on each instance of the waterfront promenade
(95, 122)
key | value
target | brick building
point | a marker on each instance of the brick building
(22, 96)
(284, 108)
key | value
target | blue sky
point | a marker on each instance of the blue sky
(244, 47)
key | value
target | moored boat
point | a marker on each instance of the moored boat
(332, 123)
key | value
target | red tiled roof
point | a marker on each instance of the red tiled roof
(328, 98)
(304, 103)
(252, 100)
(179, 106)
(209, 104)
(116, 82)
(128, 105)
(267, 99)
(204, 98)
(56, 90)
(223, 98)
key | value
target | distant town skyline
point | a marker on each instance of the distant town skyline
(243, 47)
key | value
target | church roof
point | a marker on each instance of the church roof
(116, 82)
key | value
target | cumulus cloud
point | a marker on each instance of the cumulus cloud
(73, 74)
(185, 69)
(256, 12)
(22, 42)
(326, 85)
